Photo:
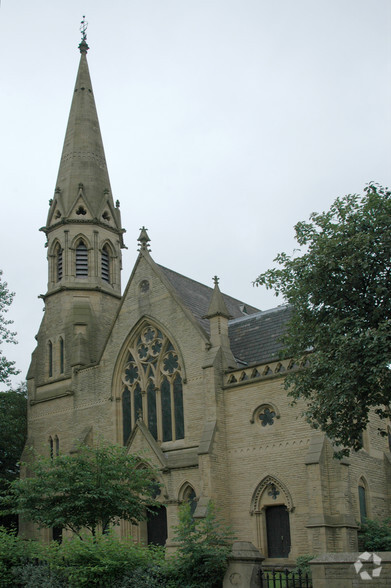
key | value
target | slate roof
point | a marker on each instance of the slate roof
(196, 297)
(254, 336)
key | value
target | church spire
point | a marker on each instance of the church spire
(83, 228)
(83, 170)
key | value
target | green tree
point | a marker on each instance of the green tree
(7, 368)
(338, 287)
(92, 489)
(203, 549)
(13, 432)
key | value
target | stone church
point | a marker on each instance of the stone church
(186, 376)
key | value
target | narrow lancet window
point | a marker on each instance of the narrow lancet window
(105, 264)
(50, 358)
(61, 355)
(126, 415)
(81, 260)
(58, 262)
(57, 445)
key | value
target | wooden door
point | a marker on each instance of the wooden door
(278, 531)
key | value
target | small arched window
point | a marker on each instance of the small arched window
(61, 355)
(58, 258)
(81, 260)
(190, 496)
(50, 359)
(57, 445)
(362, 500)
(105, 268)
(51, 447)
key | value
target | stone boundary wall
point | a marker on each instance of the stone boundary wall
(338, 570)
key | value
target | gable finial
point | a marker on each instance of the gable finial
(216, 280)
(83, 29)
(143, 240)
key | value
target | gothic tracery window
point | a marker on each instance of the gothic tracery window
(152, 387)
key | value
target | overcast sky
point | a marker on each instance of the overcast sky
(224, 123)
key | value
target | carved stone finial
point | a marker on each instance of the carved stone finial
(216, 280)
(143, 240)
(83, 47)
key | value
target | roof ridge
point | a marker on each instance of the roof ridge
(257, 314)
(240, 301)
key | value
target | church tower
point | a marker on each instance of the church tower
(84, 241)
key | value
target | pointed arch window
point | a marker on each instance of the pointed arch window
(105, 264)
(362, 500)
(57, 445)
(81, 260)
(58, 262)
(153, 387)
(50, 359)
(189, 496)
(61, 355)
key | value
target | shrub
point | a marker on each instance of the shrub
(38, 575)
(375, 535)
(13, 551)
(303, 564)
(102, 561)
(204, 547)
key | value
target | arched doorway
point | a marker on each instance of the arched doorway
(157, 526)
(272, 505)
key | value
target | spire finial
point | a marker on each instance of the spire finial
(216, 280)
(83, 29)
(143, 240)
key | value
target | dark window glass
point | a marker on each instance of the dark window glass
(126, 416)
(50, 359)
(57, 443)
(51, 447)
(81, 260)
(190, 496)
(178, 408)
(152, 420)
(363, 503)
(105, 264)
(62, 355)
(138, 403)
(57, 534)
(157, 525)
(166, 409)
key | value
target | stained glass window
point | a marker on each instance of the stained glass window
(267, 417)
(126, 415)
(152, 419)
(152, 377)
